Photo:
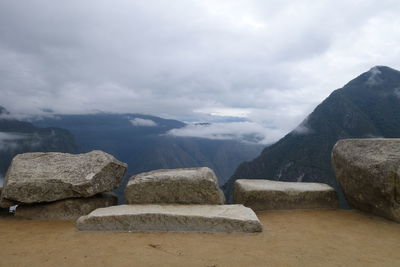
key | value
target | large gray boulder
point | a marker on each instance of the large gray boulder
(369, 172)
(181, 186)
(46, 177)
(66, 209)
(177, 218)
(274, 195)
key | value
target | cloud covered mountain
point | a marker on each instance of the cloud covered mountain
(368, 106)
(148, 142)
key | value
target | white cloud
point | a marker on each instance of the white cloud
(224, 112)
(303, 127)
(12, 140)
(8, 141)
(270, 62)
(245, 131)
(374, 77)
(143, 122)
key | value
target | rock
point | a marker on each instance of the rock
(5, 203)
(181, 186)
(177, 218)
(66, 209)
(274, 195)
(46, 177)
(369, 172)
(5, 210)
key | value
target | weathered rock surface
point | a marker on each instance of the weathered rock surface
(3, 211)
(67, 209)
(181, 186)
(274, 195)
(5, 203)
(46, 177)
(181, 218)
(369, 172)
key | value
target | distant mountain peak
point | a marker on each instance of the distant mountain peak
(382, 71)
(375, 76)
(378, 68)
(381, 78)
(383, 68)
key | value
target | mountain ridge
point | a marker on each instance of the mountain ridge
(367, 106)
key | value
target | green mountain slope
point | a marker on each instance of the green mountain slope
(368, 106)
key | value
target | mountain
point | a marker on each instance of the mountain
(18, 137)
(368, 106)
(142, 142)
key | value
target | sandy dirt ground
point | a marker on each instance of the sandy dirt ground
(290, 238)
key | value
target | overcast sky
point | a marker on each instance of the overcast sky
(267, 62)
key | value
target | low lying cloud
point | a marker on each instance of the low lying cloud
(245, 131)
(12, 141)
(397, 92)
(8, 116)
(374, 77)
(303, 128)
(143, 122)
(8, 141)
(1, 180)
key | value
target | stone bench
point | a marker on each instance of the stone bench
(176, 218)
(274, 195)
(175, 186)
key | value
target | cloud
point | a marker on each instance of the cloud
(303, 127)
(270, 62)
(1, 180)
(12, 141)
(143, 122)
(8, 141)
(397, 92)
(225, 112)
(374, 76)
(245, 131)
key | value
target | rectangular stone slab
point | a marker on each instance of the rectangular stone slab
(275, 195)
(175, 186)
(176, 218)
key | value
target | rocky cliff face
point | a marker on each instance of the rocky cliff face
(368, 106)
